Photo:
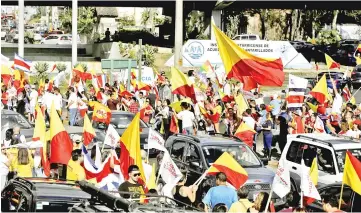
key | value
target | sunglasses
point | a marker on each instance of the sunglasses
(136, 175)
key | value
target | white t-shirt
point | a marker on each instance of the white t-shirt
(227, 89)
(4, 169)
(249, 121)
(337, 104)
(58, 101)
(187, 118)
(73, 98)
(33, 97)
(48, 100)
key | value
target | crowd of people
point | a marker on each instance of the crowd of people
(272, 122)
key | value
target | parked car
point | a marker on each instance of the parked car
(246, 37)
(356, 76)
(56, 39)
(10, 119)
(338, 77)
(330, 151)
(54, 32)
(197, 153)
(37, 36)
(351, 200)
(12, 36)
(4, 29)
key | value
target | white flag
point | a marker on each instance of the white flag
(155, 140)
(169, 171)
(319, 125)
(281, 182)
(307, 186)
(112, 137)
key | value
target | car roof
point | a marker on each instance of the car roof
(8, 112)
(337, 142)
(209, 140)
(54, 188)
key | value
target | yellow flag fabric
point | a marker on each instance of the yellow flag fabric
(79, 67)
(151, 182)
(314, 172)
(319, 92)
(352, 173)
(177, 105)
(130, 146)
(40, 129)
(241, 103)
(331, 63)
(88, 131)
(352, 100)
(181, 84)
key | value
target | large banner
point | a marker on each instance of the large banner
(196, 52)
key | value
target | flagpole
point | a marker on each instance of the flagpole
(353, 94)
(339, 204)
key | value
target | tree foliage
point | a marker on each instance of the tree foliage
(232, 26)
(61, 67)
(86, 20)
(41, 69)
(326, 37)
(195, 25)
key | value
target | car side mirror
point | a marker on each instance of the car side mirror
(264, 161)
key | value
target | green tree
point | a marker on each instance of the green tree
(148, 55)
(194, 25)
(61, 67)
(232, 26)
(86, 20)
(326, 37)
(41, 68)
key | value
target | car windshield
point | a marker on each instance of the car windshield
(122, 121)
(244, 156)
(14, 120)
(341, 154)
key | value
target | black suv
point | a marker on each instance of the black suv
(351, 200)
(196, 154)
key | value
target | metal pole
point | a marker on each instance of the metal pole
(111, 70)
(74, 33)
(129, 73)
(140, 60)
(178, 38)
(21, 28)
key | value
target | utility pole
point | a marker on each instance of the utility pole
(178, 38)
(21, 28)
(140, 60)
(74, 33)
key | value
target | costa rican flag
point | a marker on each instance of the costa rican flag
(21, 64)
(346, 93)
(296, 92)
(102, 79)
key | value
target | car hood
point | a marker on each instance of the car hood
(260, 175)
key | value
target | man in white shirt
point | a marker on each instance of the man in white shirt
(248, 119)
(187, 118)
(141, 99)
(58, 100)
(73, 106)
(33, 100)
(227, 88)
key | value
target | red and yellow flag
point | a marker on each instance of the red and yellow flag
(215, 116)
(88, 131)
(173, 127)
(40, 135)
(352, 173)
(236, 174)
(6, 74)
(130, 146)
(241, 103)
(138, 85)
(182, 85)
(245, 133)
(101, 113)
(61, 145)
(79, 71)
(319, 92)
(331, 64)
(225, 98)
(239, 63)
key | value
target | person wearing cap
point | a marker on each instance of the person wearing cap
(132, 185)
(74, 170)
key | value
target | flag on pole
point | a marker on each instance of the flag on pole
(352, 173)
(241, 103)
(239, 63)
(296, 87)
(88, 131)
(319, 92)
(319, 125)
(181, 84)
(101, 113)
(245, 133)
(155, 141)
(314, 178)
(22, 64)
(282, 182)
(331, 64)
(346, 93)
(169, 171)
(307, 186)
(112, 137)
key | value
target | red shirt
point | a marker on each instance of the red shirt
(133, 108)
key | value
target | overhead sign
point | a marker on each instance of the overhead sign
(196, 52)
